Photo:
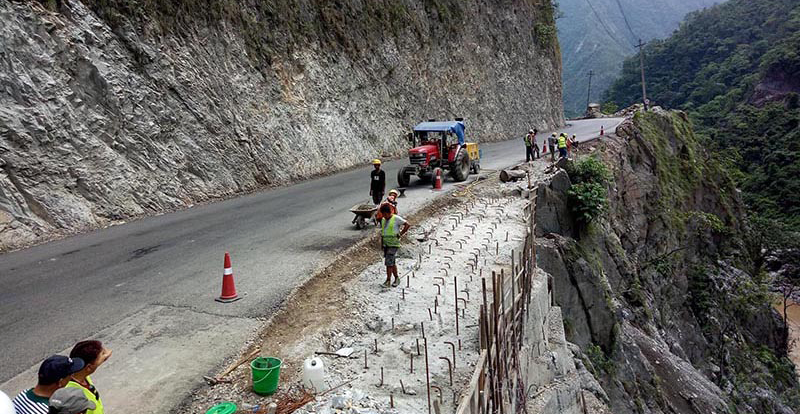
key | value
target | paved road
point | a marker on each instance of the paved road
(147, 287)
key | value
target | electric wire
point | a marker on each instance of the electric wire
(625, 18)
(605, 27)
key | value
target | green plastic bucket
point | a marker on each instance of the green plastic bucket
(265, 374)
(223, 408)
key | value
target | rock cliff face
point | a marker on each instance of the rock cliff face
(657, 291)
(117, 109)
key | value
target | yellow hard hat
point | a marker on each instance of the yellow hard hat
(393, 191)
(376, 162)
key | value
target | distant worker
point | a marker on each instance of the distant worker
(530, 140)
(377, 183)
(71, 401)
(551, 144)
(54, 373)
(574, 141)
(535, 144)
(562, 145)
(391, 201)
(569, 144)
(393, 227)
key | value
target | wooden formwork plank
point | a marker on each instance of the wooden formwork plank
(473, 388)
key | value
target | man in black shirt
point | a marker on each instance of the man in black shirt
(377, 182)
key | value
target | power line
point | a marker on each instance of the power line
(602, 23)
(624, 17)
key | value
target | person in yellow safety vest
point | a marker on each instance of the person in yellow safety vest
(562, 145)
(393, 227)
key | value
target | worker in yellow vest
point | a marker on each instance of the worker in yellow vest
(562, 145)
(393, 227)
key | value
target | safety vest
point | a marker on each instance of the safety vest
(562, 142)
(390, 238)
(528, 140)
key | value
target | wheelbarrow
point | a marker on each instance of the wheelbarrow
(363, 213)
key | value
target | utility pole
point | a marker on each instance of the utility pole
(641, 67)
(589, 94)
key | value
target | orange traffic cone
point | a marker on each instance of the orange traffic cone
(437, 179)
(228, 287)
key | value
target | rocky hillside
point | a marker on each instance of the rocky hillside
(116, 109)
(598, 34)
(648, 246)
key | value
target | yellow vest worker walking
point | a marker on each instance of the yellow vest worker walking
(562, 145)
(391, 232)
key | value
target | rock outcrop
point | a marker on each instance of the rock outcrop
(115, 109)
(656, 290)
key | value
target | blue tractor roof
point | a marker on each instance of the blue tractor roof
(456, 127)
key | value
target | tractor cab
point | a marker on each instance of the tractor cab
(439, 144)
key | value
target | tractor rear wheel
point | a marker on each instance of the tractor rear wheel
(402, 179)
(461, 166)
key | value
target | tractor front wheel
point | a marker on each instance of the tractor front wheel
(403, 179)
(461, 166)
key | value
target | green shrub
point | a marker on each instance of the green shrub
(609, 108)
(587, 201)
(545, 34)
(588, 170)
(587, 195)
(599, 360)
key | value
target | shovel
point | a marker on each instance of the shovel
(344, 352)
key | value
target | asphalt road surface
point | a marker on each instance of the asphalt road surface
(147, 288)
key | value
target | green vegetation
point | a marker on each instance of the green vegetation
(545, 34)
(599, 361)
(735, 68)
(587, 195)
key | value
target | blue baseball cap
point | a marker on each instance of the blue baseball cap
(57, 367)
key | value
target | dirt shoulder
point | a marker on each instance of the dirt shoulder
(343, 306)
(309, 310)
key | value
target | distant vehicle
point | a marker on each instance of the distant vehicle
(440, 145)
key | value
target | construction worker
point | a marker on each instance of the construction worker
(391, 200)
(528, 143)
(377, 183)
(393, 227)
(551, 144)
(574, 142)
(562, 145)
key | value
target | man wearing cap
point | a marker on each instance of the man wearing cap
(54, 373)
(70, 401)
(377, 183)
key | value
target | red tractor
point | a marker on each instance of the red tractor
(440, 145)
